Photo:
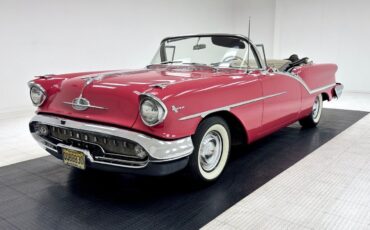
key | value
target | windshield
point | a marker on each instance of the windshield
(216, 51)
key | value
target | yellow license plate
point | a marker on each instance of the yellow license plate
(74, 158)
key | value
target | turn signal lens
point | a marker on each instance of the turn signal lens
(42, 130)
(140, 152)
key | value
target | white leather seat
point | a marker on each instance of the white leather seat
(278, 63)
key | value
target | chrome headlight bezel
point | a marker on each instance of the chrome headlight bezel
(34, 87)
(155, 102)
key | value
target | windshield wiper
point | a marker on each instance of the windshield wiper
(170, 62)
(200, 64)
(185, 63)
(193, 63)
(163, 63)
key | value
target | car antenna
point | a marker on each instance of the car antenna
(249, 39)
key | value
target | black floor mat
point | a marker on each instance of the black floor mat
(45, 194)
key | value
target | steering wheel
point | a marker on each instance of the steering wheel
(232, 58)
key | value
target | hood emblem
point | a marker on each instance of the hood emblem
(81, 104)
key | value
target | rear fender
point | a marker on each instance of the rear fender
(318, 79)
(317, 75)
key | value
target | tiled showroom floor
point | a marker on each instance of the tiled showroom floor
(327, 189)
(15, 141)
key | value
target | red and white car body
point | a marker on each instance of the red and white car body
(100, 111)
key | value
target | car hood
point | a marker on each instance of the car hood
(114, 95)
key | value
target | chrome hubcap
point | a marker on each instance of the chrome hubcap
(210, 150)
(316, 108)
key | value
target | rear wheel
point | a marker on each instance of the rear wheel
(314, 118)
(211, 150)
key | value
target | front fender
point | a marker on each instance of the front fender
(189, 103)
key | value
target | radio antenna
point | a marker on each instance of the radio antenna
(249, 39)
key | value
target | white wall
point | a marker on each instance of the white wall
(327, 31)
(262, 13)
(40, 37)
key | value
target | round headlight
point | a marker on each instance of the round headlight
(37, 94)
(152, 110)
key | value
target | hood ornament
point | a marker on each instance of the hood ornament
(160, 85)
(80, 103)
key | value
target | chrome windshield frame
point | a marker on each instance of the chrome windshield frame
(254, 50)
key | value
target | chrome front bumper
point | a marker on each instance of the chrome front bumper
(159, 151)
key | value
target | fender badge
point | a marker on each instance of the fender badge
(176, 109)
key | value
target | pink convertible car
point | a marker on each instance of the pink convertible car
(200, 95)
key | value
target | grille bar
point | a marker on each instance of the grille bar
(102, 147)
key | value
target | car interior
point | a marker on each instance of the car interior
(282, 65)
(286, 65)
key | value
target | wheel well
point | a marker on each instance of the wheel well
(237, 131)
(325, 97)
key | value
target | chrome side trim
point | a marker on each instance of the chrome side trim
(229, 107)
(303, 83)
(321, 88)
(159, 150)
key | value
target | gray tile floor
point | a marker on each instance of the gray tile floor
(328, 189)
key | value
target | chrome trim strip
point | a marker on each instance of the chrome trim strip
(303, 83)
(321, 88)
(229, 107)
(246, 39)
(143, 164)
(159, 150)
(87, 106)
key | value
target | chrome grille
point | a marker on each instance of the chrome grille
(104, 148)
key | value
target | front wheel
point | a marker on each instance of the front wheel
(211, 150)
(313, 119)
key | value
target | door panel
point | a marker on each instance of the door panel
(283, 107)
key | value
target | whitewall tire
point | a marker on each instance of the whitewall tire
(211, 149)
(313, 119)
